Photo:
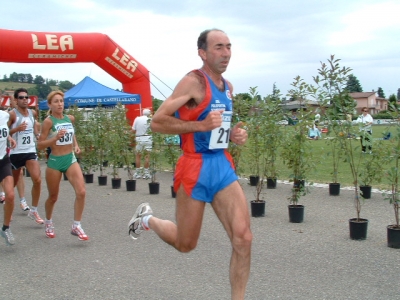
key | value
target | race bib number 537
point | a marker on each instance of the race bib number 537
(220, 136)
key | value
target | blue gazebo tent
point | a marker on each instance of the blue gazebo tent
(90, 93)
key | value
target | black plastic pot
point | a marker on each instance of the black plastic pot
(173, 194)
(88, 178)
(271, 183)
(116, 183)
(154, 188)
(130, 185)
(257, 208)
(105, 163)
(393, 236)
(254, 180)
(358, 229)
(365, 191)
(102, 179)
(334, 189)
(296, 213)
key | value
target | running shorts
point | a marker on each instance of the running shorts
(203, 175)
(61, 162)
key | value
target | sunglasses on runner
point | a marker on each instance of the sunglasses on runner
(23, 97)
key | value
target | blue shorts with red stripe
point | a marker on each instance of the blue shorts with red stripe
(202, 175)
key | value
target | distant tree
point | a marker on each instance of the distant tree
(244, 96)
(393, 103)
(381, 93)
(5, 78)
(29, 78)
(52, 82)
(276, 93)
(156, 103)
(33, 91)
(14, 77)
(65, 85)
(38, 80)
(353, 84)
(398, 94)
(43, 90)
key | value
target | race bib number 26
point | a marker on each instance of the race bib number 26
(220, 136)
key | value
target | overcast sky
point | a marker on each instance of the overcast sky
(272, 41)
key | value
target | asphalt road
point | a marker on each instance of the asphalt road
(311, 260)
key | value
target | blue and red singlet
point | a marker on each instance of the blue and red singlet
(206, 167)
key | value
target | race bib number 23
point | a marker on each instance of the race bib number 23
(220, 136)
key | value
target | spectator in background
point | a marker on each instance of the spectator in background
(314, 133)
(317, 118)
(140, 128)
(293, 120)
(365, 120)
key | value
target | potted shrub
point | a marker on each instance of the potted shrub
(335, 153)
(273, 136)
(392, 176)
(265, 137)
(154, 161)
(242, 107)
(119, 141)
(254, 145)
(88, 157)
(172, 152)
(84, 136)
(370, 171)
(297, 153)
(332, 76)
(99, 120)
(128, 159)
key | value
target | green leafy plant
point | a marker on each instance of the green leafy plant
(155, 154)
(254, 145)
(172, 151)
(242, 106)
(331, 90)
(392, 158)
(273, 131)
(297, 153)
(119, 138)
(99, 121)
(371, 167)
(84, 135)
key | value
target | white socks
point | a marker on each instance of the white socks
(145, 221)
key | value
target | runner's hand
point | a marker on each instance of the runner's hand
(213, 120)
(238, 134)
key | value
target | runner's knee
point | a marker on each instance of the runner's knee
(242, 238)
(186, 246)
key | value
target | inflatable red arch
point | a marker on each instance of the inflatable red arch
(57, 47)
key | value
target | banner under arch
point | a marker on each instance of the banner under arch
(57, 47)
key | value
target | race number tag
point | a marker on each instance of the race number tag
(68, 137)
(220, 136)
(3, 132)
(25, 139)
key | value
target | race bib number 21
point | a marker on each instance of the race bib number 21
(220, 136)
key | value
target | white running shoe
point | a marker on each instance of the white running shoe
(136, 225)
(34, 215)
(8, 236)
(24, 206)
